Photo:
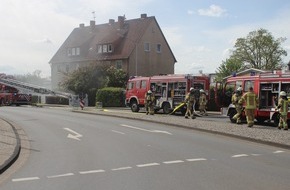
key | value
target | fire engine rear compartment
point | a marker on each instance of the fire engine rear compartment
(269, 93)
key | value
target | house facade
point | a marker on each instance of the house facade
(136, 46)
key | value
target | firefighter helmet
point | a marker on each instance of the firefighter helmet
(149, 92)
(282, 93)
(191, 89)
(201, 91)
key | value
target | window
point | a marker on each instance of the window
(130, 85)
(73, 51)
(105, 48)
(248, 84)
(158, 48)
(78, 51)
(146, 46)
(99, 48)
(138, 84)
(110, 48)
(239, 83)
(119, 64)
(143, 84)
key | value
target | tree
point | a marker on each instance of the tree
(258, 50)
(116, 77)
(88, 80)
(85, 80)
(228, 67)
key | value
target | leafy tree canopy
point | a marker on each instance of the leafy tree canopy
(258, 50)
(85, 79)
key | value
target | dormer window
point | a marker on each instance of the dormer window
(73, 51)
(100, 49)
(105, 48)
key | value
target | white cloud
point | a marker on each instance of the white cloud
(212, 11)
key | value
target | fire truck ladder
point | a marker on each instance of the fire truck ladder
(30, 88)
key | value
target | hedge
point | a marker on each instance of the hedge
(111, 97)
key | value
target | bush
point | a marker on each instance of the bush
(111, 97)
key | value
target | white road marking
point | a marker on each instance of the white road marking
(129, 167)
(75, 135)
(92, 171)
(146, 130)
(25, 179)
(278, 151)
(239, 155)
(118, 132)
(196, 159)
(122, 168)
(147, 165)
(256, 154)
(173, 162)
(61, 175)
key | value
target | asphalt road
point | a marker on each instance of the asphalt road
(79, 151)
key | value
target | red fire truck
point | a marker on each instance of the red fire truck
(266, 85)
(10, 96)
(169, 90)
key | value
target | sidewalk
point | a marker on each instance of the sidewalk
(9, 145)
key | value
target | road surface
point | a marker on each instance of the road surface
(80, 151)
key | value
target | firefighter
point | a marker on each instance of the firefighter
(202, 102)
(251, 100)
(283, 110)
(190, 101)
(149, 102)
(239, 107)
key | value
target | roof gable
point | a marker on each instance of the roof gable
(122, 34)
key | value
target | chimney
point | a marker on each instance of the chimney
(121, 20)
(82, 25)
(111, 21)
(92, 23)
(143, 15)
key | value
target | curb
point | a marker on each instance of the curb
(14, 156)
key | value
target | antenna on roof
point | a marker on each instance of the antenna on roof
(94, 16)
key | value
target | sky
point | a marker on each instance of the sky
(200, 33)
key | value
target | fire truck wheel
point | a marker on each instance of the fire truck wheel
(134, 107)
(261, 120)
(166, 108)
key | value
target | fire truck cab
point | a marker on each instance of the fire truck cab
(169, 90)
(267, 86)
(10, 95)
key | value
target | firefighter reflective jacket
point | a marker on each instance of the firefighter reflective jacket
(251, 100)
(283, 105)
